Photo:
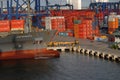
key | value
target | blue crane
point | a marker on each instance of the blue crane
(17, 9)
(102, 6)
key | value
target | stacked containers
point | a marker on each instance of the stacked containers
(77, 18)
(17, 25)
(4, 26)
(90, 14)
(69, 18)
(113, 23)
(80, 31)
(76, 30)
(88, 22)
(55, 23)
(61, 24)
(100, 17)
(84, 29)
(69, 23)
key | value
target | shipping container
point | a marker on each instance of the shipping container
(113, 23)
(55, 23)
(17, 25)
(4, 26)
(80, 31)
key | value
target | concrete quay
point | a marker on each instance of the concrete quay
(94, 48)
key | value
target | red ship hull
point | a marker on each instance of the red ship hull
(29, 54)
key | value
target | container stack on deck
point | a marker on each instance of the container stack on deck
(11, 26)
(4, 26)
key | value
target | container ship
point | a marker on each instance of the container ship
(26, 46)
(18, 39)
(15, 44)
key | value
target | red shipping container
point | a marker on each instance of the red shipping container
(4, 26)
(70, 34)
(56, 23)
(17, 24)
(83, 36)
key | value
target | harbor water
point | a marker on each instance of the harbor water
(70, 66)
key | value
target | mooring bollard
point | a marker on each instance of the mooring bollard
(102, 55)
(88, 52)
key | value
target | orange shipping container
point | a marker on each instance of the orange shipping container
(80, 31)
(54, 23)
(4, 26)
(17, 24)
(82, 35)
(113, 23)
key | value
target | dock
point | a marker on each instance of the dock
(94, 48)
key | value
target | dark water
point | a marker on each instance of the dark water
(68, 67)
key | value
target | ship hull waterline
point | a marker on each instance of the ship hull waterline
(29, 54)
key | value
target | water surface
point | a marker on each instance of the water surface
(70, 66)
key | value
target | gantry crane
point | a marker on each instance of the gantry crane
(19, 9)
